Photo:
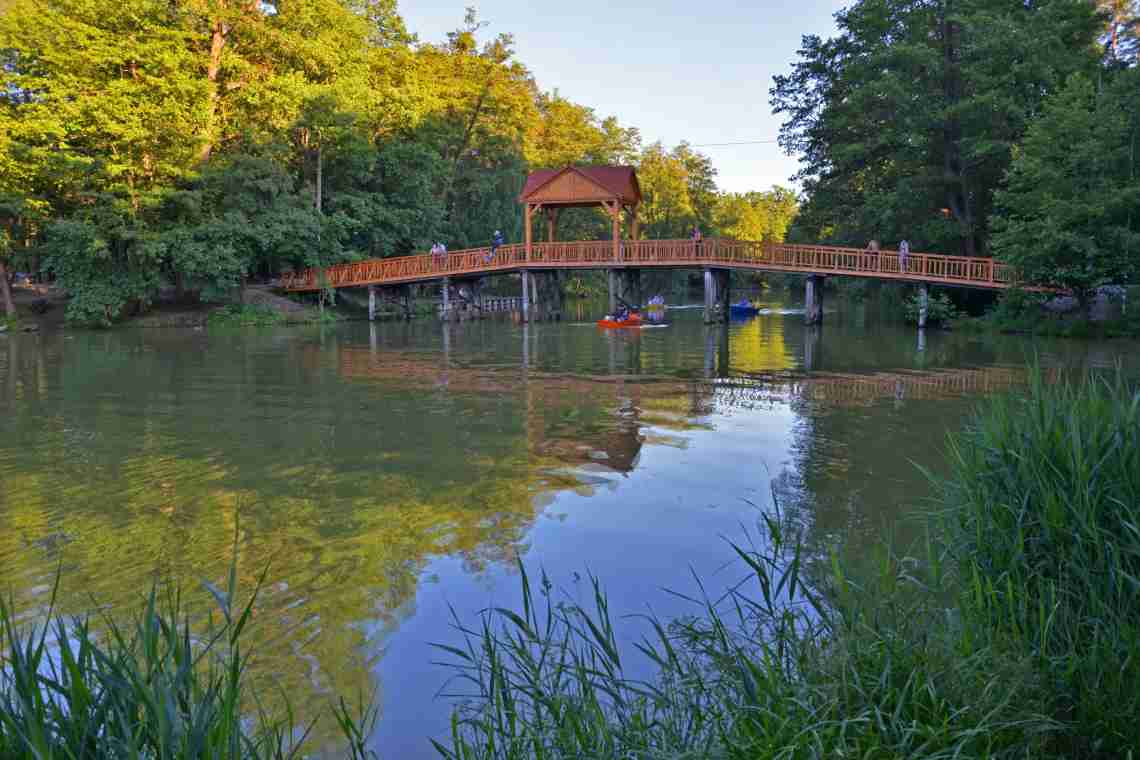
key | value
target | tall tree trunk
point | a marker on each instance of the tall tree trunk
(6, 291)
(954, 175)
(217, 46)
(320, 178)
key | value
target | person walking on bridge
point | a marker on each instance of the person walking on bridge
(695, 236)
(873, 254)
(496, 241)
(904, 254)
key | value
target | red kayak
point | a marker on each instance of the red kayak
(633, 320)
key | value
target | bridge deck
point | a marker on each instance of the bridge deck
(676, 254)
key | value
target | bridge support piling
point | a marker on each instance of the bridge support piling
(923, 304)
(371, 303)
(723, 288)
(716, 295)
(549, 298)
(631, 286)
(611, 278)
(710, 295)
(813, 300)
(406, 297)
(477, 298)
(525, 295)
(446, 290)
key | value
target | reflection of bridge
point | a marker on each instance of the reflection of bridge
(705, 394)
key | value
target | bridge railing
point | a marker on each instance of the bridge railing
(965, 270)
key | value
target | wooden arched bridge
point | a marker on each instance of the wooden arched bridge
(717, 256)
(718, 253)
(616, 191)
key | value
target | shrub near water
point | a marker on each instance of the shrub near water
(1015, 636)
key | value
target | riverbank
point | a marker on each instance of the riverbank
(1053, 327)
(43, 307)
(1011, 632)
(1020, 313)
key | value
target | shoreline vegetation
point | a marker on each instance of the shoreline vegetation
(1013, 631)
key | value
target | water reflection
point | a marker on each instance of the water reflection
(384, 471)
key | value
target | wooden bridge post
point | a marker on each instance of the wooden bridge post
(371, 303)
(923, 303)
(813, 300)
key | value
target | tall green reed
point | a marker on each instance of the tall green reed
(162, 686)
(1045, 497)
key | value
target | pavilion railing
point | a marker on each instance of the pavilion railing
(711, 252)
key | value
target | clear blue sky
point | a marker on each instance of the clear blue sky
(677, 70)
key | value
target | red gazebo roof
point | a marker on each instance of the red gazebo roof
(618, 181)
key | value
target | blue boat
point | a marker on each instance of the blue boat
(742, 309)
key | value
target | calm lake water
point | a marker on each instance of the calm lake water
(384, 473)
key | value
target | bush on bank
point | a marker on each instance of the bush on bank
(1017, 633)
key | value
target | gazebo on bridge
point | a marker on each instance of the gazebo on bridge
(547, 191)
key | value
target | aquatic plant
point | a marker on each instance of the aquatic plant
(242, 315)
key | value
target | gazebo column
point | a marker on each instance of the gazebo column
(551, 224)
(526, 230)
(615, 214)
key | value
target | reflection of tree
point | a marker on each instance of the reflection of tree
(345, 490)
(345, 499)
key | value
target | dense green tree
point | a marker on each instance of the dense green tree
(906, 119)
(1070, 215)
(678, 188)
(185, 145)
(756, 215)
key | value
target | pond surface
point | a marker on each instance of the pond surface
(384, 473)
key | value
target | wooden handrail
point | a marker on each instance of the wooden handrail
(710, 252)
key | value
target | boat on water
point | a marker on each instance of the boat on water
(633, 319)
(743, 309)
